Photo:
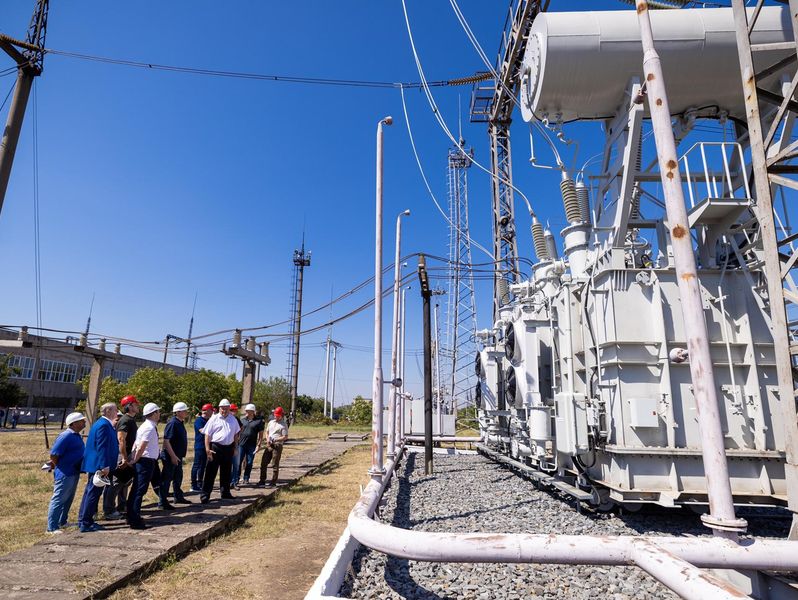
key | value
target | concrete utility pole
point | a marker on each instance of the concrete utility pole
(327, 375)
(426, 294)
(30, 63)
(301, 260)
(95, 375)
(332, 394)
(251, 358)
(377, 470)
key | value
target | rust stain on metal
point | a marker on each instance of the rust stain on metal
(650, 77)
(659, 101)
(679, 232)
(688, 276)
(669, 175)
(642, 7)
(671, 164)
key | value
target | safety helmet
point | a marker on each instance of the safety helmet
(278, 412)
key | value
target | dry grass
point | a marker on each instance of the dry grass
(26, 489)
(278, 552)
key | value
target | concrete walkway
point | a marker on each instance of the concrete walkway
(74, 565)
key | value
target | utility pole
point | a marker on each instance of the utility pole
(327, 374)
(30, 62)
(95, 375)
(438, 383)
(251, 358)
(301, 260)
(332, 395)
(377, 470)
(426, 294)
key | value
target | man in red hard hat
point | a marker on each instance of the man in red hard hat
(276, 435)
(200, 457)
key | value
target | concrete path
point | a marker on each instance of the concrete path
(74, 565)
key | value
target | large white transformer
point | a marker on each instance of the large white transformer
(584, 376)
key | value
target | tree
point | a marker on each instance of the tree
(359, 412)
(111, 390)
(155, 385)
(271, 393)
(200, 387)
(10, 392)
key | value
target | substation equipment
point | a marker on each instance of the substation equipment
(585, 377)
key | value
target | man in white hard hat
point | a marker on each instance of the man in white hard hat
(102, 454)
(145, 457)
(66, 456)
(221, 435)
(250, 438)
(175, 446)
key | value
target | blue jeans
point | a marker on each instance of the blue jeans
(198, 468)
(63, 494)
(141, 482)
(246, 458)
(236, 466)
(88, 505)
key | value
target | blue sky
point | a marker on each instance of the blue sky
(155, 185)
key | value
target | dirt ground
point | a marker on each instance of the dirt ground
(278, 552)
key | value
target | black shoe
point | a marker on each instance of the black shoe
(260, 484)
(166, 506)
(137, 525)
(183, 501)
(205, 499)
(271, 484)
(228, 497)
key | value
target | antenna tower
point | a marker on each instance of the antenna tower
(301, 260)
(461, 320)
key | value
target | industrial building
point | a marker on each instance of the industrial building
(49, 369)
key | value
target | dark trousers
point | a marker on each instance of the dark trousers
(222, 463)
(88, 505)
(171, 477)
(275, 452)
(198, 468)
(141, 482)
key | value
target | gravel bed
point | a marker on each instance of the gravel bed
(469, 493)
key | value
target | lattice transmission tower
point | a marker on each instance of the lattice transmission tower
(301, 260)
(461, 319)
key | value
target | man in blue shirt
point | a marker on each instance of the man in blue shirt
(66, 457)
(175, 446)
(102, 454)
(200, 457)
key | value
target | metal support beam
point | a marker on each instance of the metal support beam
(426, 294)
(767, 233)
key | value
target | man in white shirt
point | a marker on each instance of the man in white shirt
(145, 457)
(276, 435)
(221, 437)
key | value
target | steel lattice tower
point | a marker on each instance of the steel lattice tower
(461, 320)
(301, 260)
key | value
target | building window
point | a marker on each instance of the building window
(22, 367)
(122, 376)
(83, 371)
(56, 370)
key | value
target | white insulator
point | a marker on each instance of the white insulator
(551, 245)
(573, 213)
(583, 195)
(539, 240)
(504, 291)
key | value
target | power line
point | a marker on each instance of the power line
(248, 75)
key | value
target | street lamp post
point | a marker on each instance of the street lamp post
(395, 381)
(377, 470)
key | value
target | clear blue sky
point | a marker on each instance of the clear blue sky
(155, 185)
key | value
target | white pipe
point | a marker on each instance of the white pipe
(447, 438)
(722, 518)
(400, 415)
(494, 547)
(683, 578)
(377, 471)
(395, 339)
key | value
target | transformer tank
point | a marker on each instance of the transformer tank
(584, 376)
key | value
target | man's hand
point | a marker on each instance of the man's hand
(210, 454)
(175, 461)
(106, 470)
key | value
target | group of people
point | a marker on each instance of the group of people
(122, 459)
